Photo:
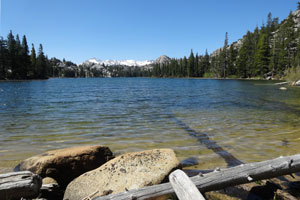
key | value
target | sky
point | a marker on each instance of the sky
(78, 30)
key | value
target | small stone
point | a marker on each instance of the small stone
(282, 88)
(49, 180)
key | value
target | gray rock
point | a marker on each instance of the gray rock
(66, 164)
(125, 172)
(162, 60)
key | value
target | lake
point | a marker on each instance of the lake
(217, 122)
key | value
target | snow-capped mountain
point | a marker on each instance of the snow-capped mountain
(131, 63)
(116, 68)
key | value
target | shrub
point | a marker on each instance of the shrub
(209, 75)
(292, 74)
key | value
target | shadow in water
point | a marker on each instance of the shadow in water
(204, 139)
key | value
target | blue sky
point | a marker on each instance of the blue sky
(134, 29)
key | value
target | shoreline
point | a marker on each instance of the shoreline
(201, 78)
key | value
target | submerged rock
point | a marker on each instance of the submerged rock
(282, 88)
(125, 172)
(191, 161)
(66, 164)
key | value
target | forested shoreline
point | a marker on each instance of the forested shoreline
(267, 52)
(270, 51)
(17, 63)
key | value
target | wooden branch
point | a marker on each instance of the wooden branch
(16, 185)
(281, 83)
(220, 179)
(184, 187)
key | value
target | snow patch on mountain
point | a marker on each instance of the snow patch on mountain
(130, 63)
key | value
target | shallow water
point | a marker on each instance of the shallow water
(214, 121)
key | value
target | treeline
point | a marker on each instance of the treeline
(194, 66)
(17, 63)
(267, 52)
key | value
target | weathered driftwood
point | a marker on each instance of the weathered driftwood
(16, 185)
(184, 187)
(220, 179)
(281, 83)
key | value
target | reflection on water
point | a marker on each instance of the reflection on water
(205, 119)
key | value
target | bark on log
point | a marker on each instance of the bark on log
(220, 179)
(184, 187)
(16, 185)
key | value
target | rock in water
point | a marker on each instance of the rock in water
(191, 161)
(125, 172)
(66, 164)
(282, 88)
(297, 83)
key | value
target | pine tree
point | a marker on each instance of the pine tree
(206, 63)
(19, 62)
(297, 59)
(262, 56)
(41, 64)
(287, 44)
(197, 67)
(269, 23)
(232, 56)
(11, 45)
(32, 72)
(290, 41)
(274, 56)
(245, 56)
(3, 58)
(191, 65)
(224, 56)
(25, 58)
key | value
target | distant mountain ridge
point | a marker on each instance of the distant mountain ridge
(129, 63)
(133, 63)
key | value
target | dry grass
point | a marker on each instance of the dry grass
(292, 74)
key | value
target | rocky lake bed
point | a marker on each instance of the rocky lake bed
(87, 172)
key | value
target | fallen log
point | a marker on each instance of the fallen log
(220, 178)
(184, 187)
(16, 185)
(281, 83)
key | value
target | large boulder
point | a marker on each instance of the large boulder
(66, 164)
(297, 83)
(125, 172)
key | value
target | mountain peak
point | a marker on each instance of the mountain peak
(163, 59)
